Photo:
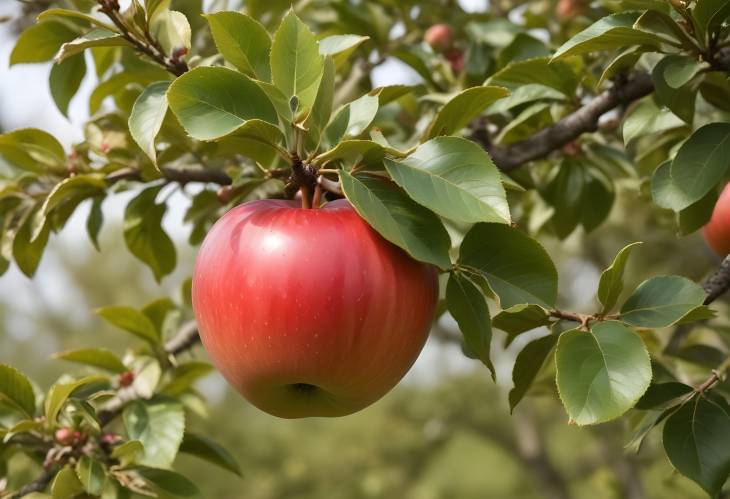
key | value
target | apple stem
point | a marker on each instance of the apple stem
(306, 197)
(317, 199)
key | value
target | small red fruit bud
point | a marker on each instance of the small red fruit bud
(571, 148)
(110, 438)
(439, 37)
(179, 53)
(225, 194)
(126, 379)
(456, 61)
(64, 436)
(566, 10)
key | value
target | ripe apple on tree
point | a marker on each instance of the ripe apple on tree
(717, 231)
(309, 312)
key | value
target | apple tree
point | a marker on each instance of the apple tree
(523, 122)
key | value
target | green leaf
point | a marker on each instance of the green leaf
(528, 364)
(398, 219)
(128, 452)
(169, 482)
(296, 65)
(77, 187)
(211, 102)
(340, 47)
(662, 301)
(645, 118)
(523, 94)
(256, 139)
(209, 450)
(626, 59)
(701, 163)
(65, 80)
(696, 216)
(352, 119)
(612, 279)
(460, 110)
(172, 31)
(518, 268)
(243, 42)
(455, 178)
(468, 306)
(30, 241)
(164, 315)
(610, 32)
(697, 441)
(40, 42)
(680, 100)
(663, 25)
(75, 15)
(59, 393)
(709, 15)
(679, 70)
(147, 115)
(132, 321)
(354, 151)
(92, 475)
(95, 221)
(662, 394)
(32, 149)
(664, 191)
(159, 425)
(321, 111)
(144, 235)
(16, 390)
(66, 484)
(94, 38)
(97, 357)
(602, 373)
(185, 375)
(558, 75)
(519, 319)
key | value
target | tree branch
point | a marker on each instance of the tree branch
(37, 485)
(174, 64)
(584, 119)
(180, 175)
(719, 282)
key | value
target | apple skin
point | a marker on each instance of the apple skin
(309, 312)
(439, 37)
(717, 230)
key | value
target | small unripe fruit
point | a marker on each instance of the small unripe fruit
(65, 436)
(568, 9)
(126, 379)
(439, 37)
(456, 61)
(717, 230)
(110, 438)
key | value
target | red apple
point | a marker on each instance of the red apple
(439, 37)
(717, 230)
(309, 312)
